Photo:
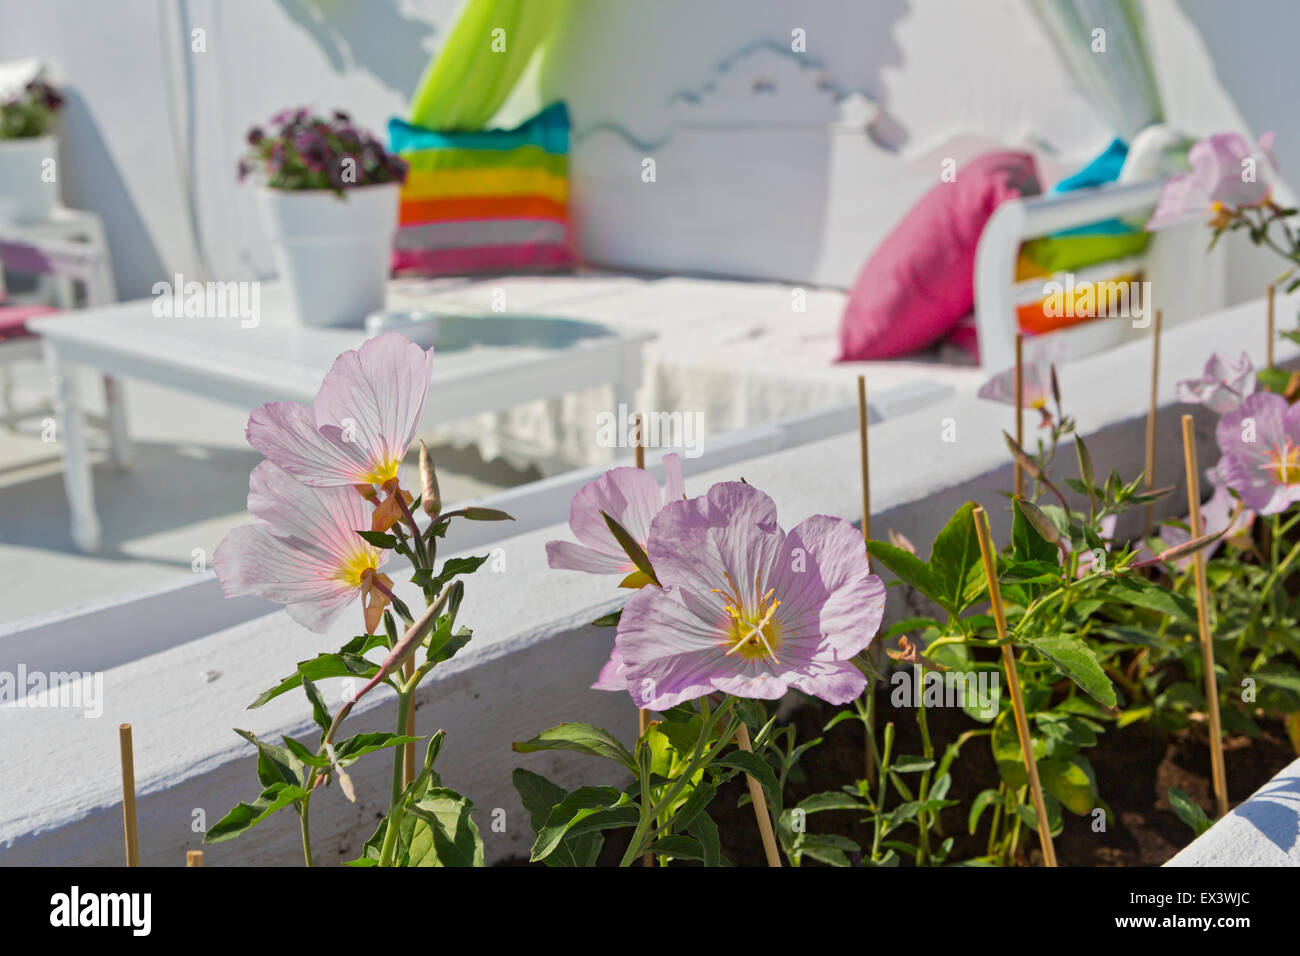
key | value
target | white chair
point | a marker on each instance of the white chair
(1185, 282)
(65, 253)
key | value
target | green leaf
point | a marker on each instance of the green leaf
(706, 831)
(321, 667)
(539, 797)
(319, 711)
(985, 798)
(910, 570)
(1189, 811)
(752, 764)
(356, 747)
(1071, 782)
(911, 764)
(450, 569)
(829, 800)
(245, 816)
(1144, 594)
(580, 738)
(956, 554)
(1030, 534)
(678, 846)
(380, 540)
(1076, 661)
(486, 514)
(444, 834)
(586, 810)
(630, 547)
(608, 620)
(275, 764)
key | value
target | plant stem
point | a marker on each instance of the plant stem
(880, 797)
(306, 828)
(922, 817)
(399, 753)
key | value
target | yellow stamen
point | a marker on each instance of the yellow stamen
(353, 570)
(1284, 464)
(383, 472)
(753, 633)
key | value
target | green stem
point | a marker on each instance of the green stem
(922, 817)
(700, 757)
(306, 828)
(880, 793)
(399, 753)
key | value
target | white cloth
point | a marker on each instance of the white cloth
(1113, 66)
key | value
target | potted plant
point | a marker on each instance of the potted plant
(328, 198)
(28, 189)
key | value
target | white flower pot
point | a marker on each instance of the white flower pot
(332, 253)
(25, 195)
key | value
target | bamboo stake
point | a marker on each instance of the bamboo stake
(1013, 681)
(865, 468)
(1217, 768)
(643, 715)
(193, 857)
(1019, 394)
(128, 796)
(1271, 290)
(864, 458)
(759, 799)
(1151, 415)
(408, 755)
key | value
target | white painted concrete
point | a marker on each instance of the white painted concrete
(1262, 831)
(533, 655)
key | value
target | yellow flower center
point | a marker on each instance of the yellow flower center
(753, 632)
(354, 569)
(386, 470)
(1284, 463)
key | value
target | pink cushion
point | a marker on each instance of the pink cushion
(921, 280)
(13, 318)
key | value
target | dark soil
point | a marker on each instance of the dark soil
(1135, 769)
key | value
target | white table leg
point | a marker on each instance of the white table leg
(76, 464)
(119, 438)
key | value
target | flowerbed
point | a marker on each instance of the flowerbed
(1020, 661)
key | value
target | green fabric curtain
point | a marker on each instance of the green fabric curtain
(468, 80)
(1120, 82)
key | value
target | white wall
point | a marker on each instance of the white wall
(765, 164)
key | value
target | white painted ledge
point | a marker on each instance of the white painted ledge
(1263, 831)
(534, 655)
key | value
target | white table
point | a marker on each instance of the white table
(483, 364)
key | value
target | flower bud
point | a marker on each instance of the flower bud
(430, 498)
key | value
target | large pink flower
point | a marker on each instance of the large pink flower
(1220, 177)
(304, 551)
(1222, 386)
(628, 495)
(359, 427)
(746, 608)
(1260, 441)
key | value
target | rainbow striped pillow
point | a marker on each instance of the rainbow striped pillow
(491, 201)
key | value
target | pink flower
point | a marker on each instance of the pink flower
(1260, 441)
(1222, 386)
(1215, 516)
(1221, 178)
(304, 551)
(628, 495)
(1036, 374)
(358, 429)
(746, 608)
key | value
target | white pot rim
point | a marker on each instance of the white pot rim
(16, 142)
(286, 193)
